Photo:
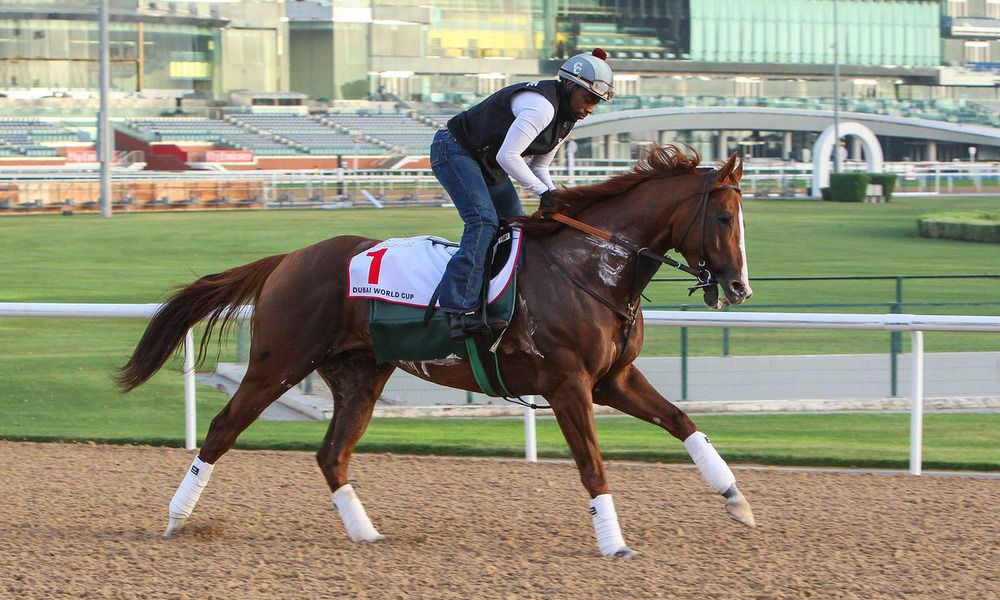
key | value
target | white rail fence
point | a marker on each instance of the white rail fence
(915, 324)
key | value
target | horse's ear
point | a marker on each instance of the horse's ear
(732, 170)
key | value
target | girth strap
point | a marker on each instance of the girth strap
(486, 366)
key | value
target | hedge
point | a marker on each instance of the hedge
(972, 227)
(848, 187)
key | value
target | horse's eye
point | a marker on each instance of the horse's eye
(725, 219)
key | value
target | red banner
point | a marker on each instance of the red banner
(229, 156)
(81, 156)
(88, 156)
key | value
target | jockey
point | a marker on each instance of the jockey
(513, 133)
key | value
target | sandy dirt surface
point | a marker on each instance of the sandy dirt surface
(84, 521)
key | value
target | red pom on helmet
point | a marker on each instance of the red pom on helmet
(600, 53)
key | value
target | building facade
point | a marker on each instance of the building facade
(155, 47)
(936, 59)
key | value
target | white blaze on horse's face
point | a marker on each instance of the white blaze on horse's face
(745, 271)
(733, 273)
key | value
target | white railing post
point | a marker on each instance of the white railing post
(190, 436)
(530, 444)
(917, 406)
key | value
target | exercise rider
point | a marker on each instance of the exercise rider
(513, 133)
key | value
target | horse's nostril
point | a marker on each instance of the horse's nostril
(740, 289)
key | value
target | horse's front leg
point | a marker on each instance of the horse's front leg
(631, 393)
(574, 410)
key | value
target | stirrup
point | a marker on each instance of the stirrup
(462, 325)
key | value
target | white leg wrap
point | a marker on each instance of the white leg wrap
(609, 532)
(715, 470)
(190, 489)
(352, 513)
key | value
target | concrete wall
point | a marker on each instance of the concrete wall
(772, 378)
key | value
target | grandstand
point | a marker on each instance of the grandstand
(312, 136)
(33, 138)
(402, 132)
(623, 42)
(438, 119)
(224, 134)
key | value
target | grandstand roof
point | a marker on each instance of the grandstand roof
(646, 66)
(779, 119)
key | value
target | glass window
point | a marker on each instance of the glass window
(977, 51)
(870, 32)
(993, 9)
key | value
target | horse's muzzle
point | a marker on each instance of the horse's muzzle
(734, 291)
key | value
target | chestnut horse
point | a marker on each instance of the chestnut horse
(574, 335)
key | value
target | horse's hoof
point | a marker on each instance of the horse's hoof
(378, 537)
(625, 552)
(739, 509)
(173, 526)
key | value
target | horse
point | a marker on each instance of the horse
(574, 335)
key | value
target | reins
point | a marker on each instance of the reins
(704, 278)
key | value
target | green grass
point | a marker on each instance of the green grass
(56, 371)
(951, 441)
(140, 257)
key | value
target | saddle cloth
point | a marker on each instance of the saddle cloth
(407, 270)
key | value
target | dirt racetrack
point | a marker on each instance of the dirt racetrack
(84, 521)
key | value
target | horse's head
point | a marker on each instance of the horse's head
(713, 234)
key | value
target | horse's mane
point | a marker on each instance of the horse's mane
(658, 162)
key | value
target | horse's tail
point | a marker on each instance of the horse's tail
(212, 296)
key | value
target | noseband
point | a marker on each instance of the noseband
(702, 273)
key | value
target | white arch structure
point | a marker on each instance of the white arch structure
(824, 147)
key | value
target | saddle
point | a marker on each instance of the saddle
(414, 331)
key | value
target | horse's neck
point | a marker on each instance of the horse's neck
(571, 259)
(641, 216)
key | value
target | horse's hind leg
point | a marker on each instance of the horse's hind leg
(631, 393)
(282, 352)
(257, 391)
(356, 382)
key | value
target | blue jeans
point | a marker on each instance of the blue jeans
(481, 207)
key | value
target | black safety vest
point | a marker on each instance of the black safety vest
(482, 129)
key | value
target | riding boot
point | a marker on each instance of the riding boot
(462, 325)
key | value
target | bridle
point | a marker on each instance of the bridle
(702, 273)
(704, 276)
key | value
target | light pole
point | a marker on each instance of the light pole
(105, 141)
(836, 95)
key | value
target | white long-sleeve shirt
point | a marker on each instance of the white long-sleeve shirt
(532, 114)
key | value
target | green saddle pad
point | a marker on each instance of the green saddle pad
(398, 331)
